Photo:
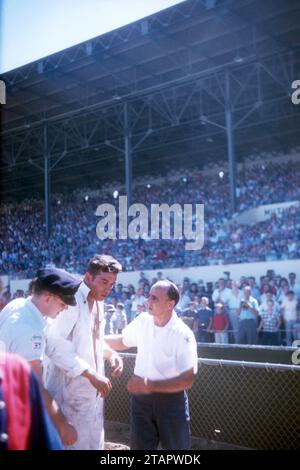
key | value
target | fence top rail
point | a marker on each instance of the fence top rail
(243, 364)
(247, 346)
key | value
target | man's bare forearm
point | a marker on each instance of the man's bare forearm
(177, 384)
(115, 342)
(144, 386)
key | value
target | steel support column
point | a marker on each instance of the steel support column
(230, 143)
(128, 155)
(47, 183)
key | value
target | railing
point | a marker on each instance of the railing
(248, 404)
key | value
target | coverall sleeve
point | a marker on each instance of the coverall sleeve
(59, 347)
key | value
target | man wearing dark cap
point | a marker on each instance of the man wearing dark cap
(165, 367)
(23, 324)
(76, 348)
(109, 311)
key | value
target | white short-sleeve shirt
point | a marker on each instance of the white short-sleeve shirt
(163, 352)
(289, 309)
(22, 329)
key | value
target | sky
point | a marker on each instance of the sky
(32, 29)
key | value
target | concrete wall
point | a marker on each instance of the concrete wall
(206, 273)
(212, 273)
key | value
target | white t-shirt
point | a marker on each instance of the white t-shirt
(137, 300)
(221, 295)
(296, 289)
(162, 352)
(234, 301)
(22, 329)
(289, 309)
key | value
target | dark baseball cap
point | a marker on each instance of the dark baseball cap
(58, 282)
(110, 308)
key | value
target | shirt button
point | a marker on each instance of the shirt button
(2, 405)
(3, 437)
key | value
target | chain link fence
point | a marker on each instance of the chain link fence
(245, 404)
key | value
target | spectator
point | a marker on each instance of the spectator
(109, 325)
(220, 324)
(289, 310)
(293, 285)
(296, 329)
(264, 293)
(137, 302)
(5, 299)
(269, 324)
(233, 303)
(127, 305)
(184, 301)
(264, 305)
(140, 309)
(19, 294)
(282, 291)
(248, 313)
(204, 321)
(254, 289)
(119, 319)
(221, 292)
(118, 292)
(189, 316)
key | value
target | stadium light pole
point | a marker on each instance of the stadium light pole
(230, 143)
(47, 183)
(128, 155)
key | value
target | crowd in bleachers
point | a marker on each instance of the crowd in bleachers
(213, 310)
(24, 246)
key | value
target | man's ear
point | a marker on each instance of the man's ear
(47, 297)
(87, 277)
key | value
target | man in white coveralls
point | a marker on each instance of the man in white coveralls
(76, 349)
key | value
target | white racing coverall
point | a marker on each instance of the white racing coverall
(74, 343)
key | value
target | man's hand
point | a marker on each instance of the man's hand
(100, 382)
(67, 433)
(138, 386)
(116, 363)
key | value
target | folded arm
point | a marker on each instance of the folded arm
(140, 385)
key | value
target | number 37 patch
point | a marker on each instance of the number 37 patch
(36, 342)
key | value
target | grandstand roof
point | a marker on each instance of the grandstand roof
(172, 72)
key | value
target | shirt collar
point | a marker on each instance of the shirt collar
(84, 290)
(36, 312)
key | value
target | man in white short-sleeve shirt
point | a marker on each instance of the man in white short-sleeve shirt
(289, 313)
(165, 368)
(23, 327)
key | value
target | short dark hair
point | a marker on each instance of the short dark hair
(103, 264)
(31, 285)
(172, 290)
(35, 288)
